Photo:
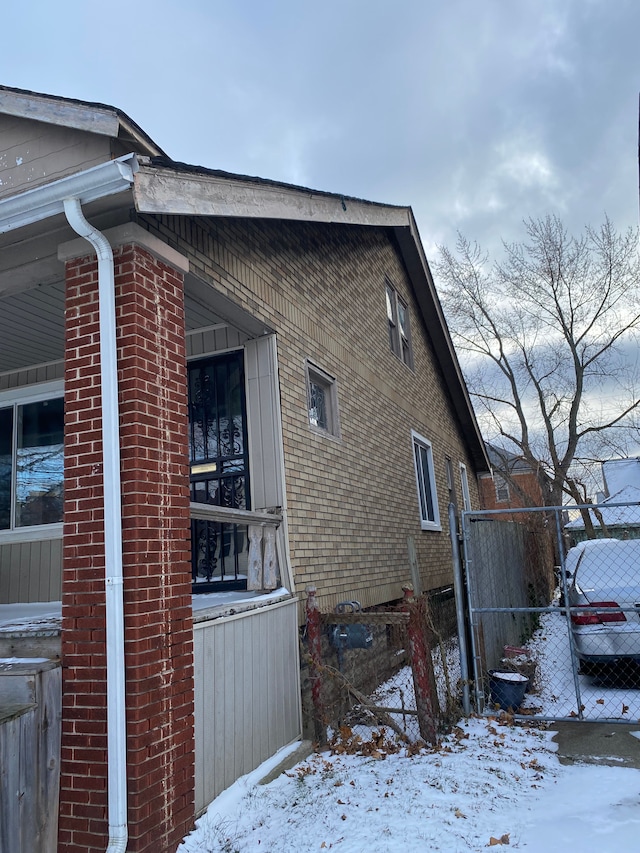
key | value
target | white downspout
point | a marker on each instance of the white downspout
(116, 717)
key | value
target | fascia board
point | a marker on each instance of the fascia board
(163, 191)
(60, 112)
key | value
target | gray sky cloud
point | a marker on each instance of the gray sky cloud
(476, 114)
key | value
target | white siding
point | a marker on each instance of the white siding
(247, 694)
(263, 416)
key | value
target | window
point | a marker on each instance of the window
(322, 401)
(31, 457)
(426, 484)
(464, 480)
(398, 323)
(502, 489)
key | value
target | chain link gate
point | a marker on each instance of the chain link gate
(554, 615)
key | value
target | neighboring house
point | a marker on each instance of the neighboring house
(252, 389)
(511, 484)
(617, 474)
(619, 511)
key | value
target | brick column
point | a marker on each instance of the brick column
(157, 579)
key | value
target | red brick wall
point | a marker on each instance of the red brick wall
(527, 483)
(157, 589)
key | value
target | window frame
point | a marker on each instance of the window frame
(464, 485)
(316, 375)
(13, 398)
(426, 523)
(399, 332)
(500, 483)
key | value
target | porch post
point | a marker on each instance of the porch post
(149, 283)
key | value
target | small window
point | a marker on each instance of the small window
(464, 480)
(322, 401)
(398, 325)
(31, 460)
(425, 481)
(502, 489)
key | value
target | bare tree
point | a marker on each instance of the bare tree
(548, 343)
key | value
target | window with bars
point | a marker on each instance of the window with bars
(322, 401)
(219, 475)
(398, 325)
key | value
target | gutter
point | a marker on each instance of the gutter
(67, 196)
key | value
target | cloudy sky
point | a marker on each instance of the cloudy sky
(477, 114)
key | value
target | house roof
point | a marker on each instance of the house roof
(89, 116)
(163, 186)
(615, 516)
(504, 461)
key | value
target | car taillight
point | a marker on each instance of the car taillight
(595, 616)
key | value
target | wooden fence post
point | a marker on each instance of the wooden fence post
(424, 681)
(314, 637)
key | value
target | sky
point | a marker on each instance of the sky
(478, 115)
(486, 784)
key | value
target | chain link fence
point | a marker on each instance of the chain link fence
(554, 611)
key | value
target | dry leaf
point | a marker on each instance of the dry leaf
(625, 708)
(458, 813)
(504, 839)
(599, 701)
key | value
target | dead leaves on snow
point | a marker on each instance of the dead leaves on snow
(504, 839)
(346, 742)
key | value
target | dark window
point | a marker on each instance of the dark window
(502, 489)
(398, 325)
(219, 462)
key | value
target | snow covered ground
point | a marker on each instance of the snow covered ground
(487, 784)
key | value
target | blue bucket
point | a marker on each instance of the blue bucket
(507, 689)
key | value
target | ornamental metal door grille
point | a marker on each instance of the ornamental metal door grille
(219, 460)
(550, 607)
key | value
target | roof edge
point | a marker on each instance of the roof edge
(88, 116)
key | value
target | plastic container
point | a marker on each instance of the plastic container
(507, 689)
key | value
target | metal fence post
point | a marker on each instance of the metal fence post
(314, 637)
(458, 585)
(422, 666)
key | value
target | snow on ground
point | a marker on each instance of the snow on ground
(489, 783)
(486, 781)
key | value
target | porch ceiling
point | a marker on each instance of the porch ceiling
(32, 325)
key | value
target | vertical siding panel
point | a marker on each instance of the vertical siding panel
(55, 573)
(30, 574)
(14, 572)
(247, 694)
(30, 571)
(198, 713)
(254, 425)
(217, 722)
(264, 422)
